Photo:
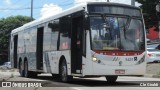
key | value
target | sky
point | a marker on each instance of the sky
(41, 8)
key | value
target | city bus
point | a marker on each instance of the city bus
(92, 39)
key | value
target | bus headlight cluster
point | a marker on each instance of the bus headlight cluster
(94, 58)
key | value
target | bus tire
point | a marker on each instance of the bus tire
(63, 72)
(111, 79)
(26, 74)
(21, 70)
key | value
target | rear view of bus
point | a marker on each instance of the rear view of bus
(117, 40)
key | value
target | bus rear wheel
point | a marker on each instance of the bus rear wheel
(27, 73)
(111, 79)
(21, 71)
(26, 69)
(63, 72)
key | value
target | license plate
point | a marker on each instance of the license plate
(119, 71)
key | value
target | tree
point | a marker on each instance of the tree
(149, 11)
(6, 26)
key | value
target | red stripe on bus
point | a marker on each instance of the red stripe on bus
(119, 53)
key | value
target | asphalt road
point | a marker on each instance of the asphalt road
(123, 82)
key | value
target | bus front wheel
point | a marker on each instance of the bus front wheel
(111, 79)
(63, 72)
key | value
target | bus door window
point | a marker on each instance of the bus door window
(76, 50)
(78, 40)
(78, 43)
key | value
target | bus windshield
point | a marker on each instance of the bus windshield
(116, 33)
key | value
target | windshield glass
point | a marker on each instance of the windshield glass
(116, 33)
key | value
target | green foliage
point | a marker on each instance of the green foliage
(149, 10)
(6, 26)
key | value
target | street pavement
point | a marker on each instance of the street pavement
(123, 82)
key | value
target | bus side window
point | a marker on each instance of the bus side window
(54, 26)
(65, 33)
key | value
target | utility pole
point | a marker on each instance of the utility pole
(133, 2)
(31, 10)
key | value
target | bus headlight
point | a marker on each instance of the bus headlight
(141, 60)
(94, 59)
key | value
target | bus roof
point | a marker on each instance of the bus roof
(76, 8)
